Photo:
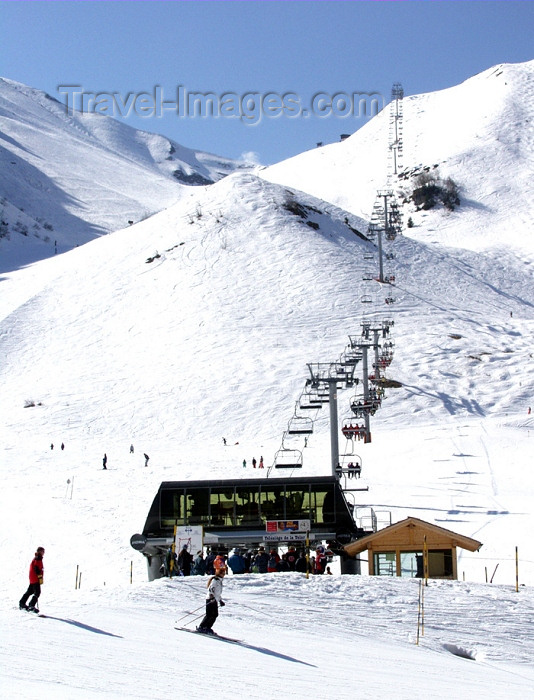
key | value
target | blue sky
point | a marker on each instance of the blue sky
(274, 49)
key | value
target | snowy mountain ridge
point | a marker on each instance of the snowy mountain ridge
(479, 133)
(68, 177)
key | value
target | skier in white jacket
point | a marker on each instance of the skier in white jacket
(213, 600)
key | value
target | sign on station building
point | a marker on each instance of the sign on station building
(192, 536)
(286, 530)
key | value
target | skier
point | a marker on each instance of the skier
(244, 464)
(104, 461)
(224, 442)
(213, 600)
(146, 459)
(131, 449)
(261, 462)
(36, 581)
(254, 462)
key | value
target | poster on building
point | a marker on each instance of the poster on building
(287, 526)
(192, 536)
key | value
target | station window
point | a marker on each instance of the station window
(272, 503)
(172, 507)
(247, 505)
(222, 506)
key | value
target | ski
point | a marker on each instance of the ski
(33, 613)
(230, 640)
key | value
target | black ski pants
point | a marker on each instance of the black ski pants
(212, 613)
(33, 589)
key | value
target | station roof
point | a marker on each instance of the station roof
(410, 533)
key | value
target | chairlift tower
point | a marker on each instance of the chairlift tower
(395, 131)
(333, 375)
(385, 223)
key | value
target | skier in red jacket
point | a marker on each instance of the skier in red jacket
(36, 580)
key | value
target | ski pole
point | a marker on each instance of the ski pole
(189, 613)
(193, 620)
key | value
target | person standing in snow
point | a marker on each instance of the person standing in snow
(209, 562)
(272, 562)
(261, 560)
(146, 459)
(36, 581)
(237, 562)
(254, 462)
(185, 559)
(199, 565)
(261, 462)
(131, 449)
(105, 461)
(244, 464)
(213, 601)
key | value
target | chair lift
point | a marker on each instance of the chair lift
(366, 299)
(300, 426)
(352, 430)
(361, 408)
(309, 401)
(288, 459)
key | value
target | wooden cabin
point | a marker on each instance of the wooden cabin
(398, 550)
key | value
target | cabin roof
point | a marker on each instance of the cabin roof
(415, 530)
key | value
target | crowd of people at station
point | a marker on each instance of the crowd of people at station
(245, 561)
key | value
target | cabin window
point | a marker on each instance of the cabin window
(439, 564)
(411, 564)
(385, 564)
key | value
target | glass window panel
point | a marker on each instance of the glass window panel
(411, 564)
(197, 504)
(385, 564)
(247, 505)
(172, 507)
(272, 503)
(298, 503)
(222, 506)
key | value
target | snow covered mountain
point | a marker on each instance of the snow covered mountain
(198, 323)
(68, 177)
(479, 133)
